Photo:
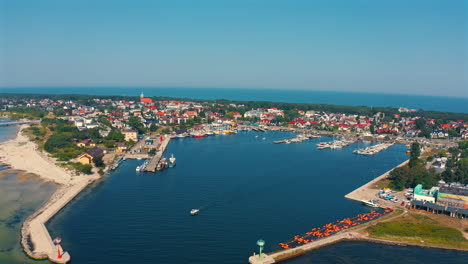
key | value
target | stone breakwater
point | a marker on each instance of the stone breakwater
(34, 232)
(22, 155)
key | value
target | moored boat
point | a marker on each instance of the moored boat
(370, 203)
(172, 161)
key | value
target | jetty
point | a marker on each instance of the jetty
(35, 232)
(151, 167)
(367, 191)
(345, 229)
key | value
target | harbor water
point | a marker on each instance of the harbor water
(246, 187)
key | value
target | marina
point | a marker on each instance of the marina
(336, 144)
(297, 139)
(157, 158)
(169, 199)
(373, 149)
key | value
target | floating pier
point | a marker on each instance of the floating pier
(373, 149)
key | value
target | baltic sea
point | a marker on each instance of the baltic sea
(436, 103)
(247, 187)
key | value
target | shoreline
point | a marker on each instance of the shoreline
(22, 154)
(361, 193)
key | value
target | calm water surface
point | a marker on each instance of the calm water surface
(437, 103)
(248, 188)
(19, 198)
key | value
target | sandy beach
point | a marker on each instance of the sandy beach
(22, 154)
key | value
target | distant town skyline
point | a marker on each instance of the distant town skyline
(403, 47)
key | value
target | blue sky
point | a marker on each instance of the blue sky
(397, 46)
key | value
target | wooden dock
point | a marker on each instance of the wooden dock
(157, 157)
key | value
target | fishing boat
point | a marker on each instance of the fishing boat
(172, 161)
(194, 211)
(370, 203)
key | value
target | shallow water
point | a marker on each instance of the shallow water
(18, 200)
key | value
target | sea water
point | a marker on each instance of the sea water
(436, 103)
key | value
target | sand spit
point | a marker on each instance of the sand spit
(25, 159)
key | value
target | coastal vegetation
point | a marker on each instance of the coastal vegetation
(420, 229)
(456, 169)
(224, 106)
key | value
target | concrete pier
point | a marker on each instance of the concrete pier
(367, 192)
(157, 157)
(34, 228)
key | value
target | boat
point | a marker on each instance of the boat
(138, 158)
(194, 211)
(371, 203)
(172, 161)
(162, 165)
(138, 168)
(180, 136)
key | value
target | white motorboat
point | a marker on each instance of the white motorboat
(370, 203)
(194, 211)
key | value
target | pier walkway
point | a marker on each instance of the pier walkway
(35, 230)
(155, 159)
(365, 192)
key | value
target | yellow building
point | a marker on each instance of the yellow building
(130, 135)
(88, 156)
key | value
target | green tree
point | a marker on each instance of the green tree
(153, 127)
(115, 135)
(57, 141)
(415, 152)
(98, 162)
(109, 143)
(135, 123)
(420, 123)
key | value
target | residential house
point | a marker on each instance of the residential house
(130, 135)
(90, 155)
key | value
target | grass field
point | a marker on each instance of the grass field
(420, 229)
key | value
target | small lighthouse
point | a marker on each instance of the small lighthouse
(59, 256)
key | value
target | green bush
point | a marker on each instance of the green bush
(84, 168)
(58, 141)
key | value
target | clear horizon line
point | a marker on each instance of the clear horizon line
(229, 88)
